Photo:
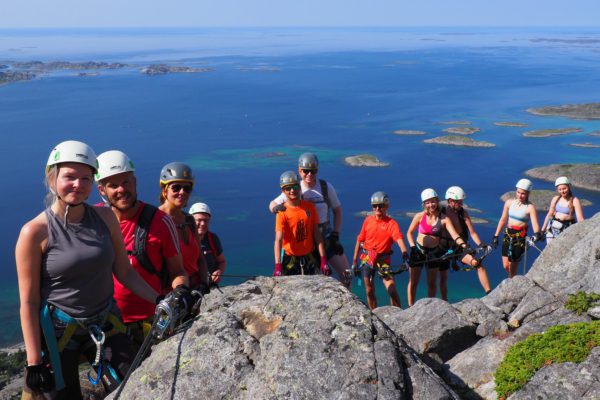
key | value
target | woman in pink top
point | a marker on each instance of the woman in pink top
(430, 224)
(176, 184)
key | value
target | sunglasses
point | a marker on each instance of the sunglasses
(290, 187)
(378, 205)
(176, 188)
(308, 171)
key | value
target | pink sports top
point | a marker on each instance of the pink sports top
(426, 229)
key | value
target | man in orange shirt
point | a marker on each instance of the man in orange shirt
(377, 235)
(297, 231)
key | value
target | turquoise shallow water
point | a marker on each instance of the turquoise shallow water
(275, 94)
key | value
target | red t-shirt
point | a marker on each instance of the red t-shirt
(379, 235)
(162, 243)
(190, 253)
(298, 225)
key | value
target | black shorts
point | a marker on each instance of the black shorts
(299, 265)
(513, 247)
(420, 257)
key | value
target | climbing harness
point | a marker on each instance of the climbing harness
(556, 227)
(168, 318)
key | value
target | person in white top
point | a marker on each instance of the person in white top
(325, 198)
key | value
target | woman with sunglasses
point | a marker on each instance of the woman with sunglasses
(296, 232)
(429, 247)
(515, 218)
(374, 243)
(176, 185)
(565, 210)
(66, 258)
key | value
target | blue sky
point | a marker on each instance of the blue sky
(203, 13)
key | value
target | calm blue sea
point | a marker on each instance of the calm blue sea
(336, 92)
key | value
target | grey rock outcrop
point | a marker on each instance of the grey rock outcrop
(285, 338)
(513, 311)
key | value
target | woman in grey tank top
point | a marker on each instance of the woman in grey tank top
(66, 257)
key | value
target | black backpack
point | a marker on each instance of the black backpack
(139, 245)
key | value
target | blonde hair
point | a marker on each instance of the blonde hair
(50, 183)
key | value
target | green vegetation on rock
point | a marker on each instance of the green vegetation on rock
(455, 140)
(559, 344)
(11, 364)
(538, 133)
(580, 302)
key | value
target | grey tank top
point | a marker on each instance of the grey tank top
(77, 265)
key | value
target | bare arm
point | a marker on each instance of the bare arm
(122, 269)
(471, 228)
(275, 202)
(503, 218)
(337, 219)
(277, 246)
(177, 274)
(319, 240)
(452, 231)
(551, 212)
(28, 256)
(578, 209)
(413, 225)
(356, 250)
(402, 245)
(534, 218)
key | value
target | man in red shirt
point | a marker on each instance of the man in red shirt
(376, 237)
(297, 231)
(160, 264)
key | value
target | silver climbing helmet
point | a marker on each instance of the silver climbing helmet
(113, 162)
(72, 151)
(176, 171)
(308, 161)
(380, 197)
(288, 178)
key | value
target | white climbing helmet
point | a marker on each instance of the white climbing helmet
(524, 184)
(72, 151)
(197, 208)
(113, 162)
(455, 193)
(562, 180)
(428, 194)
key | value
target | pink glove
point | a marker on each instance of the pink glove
(278, 271)
(324, 267)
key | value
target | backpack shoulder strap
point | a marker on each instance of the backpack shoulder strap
(325, 192)
(139, 243)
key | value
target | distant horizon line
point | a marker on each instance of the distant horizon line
(304, 27)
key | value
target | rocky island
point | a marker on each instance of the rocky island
(408, 132)
(364, 160)
(66, 65)
(539, 133)
(586, 144)
(585, 176)
(464, 130)
(162, 69)
(14, 76)
(453, 140)
(595, 133)
(454, 123)
(541, 199)
(573, 111)
(511, 124)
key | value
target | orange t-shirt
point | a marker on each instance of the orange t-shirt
(297, 225)
(379, 235)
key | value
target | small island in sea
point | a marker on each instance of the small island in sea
(364, 160)
(511, 124)
(595, 133)
(453, 140)
(585, 176)
(454, 123)
(463, 130)
(541, 199)
(409, 132)
(162, 69)
(540, 133)
(586, 144)
(573, 111)
(13, 76)
(65, 65)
